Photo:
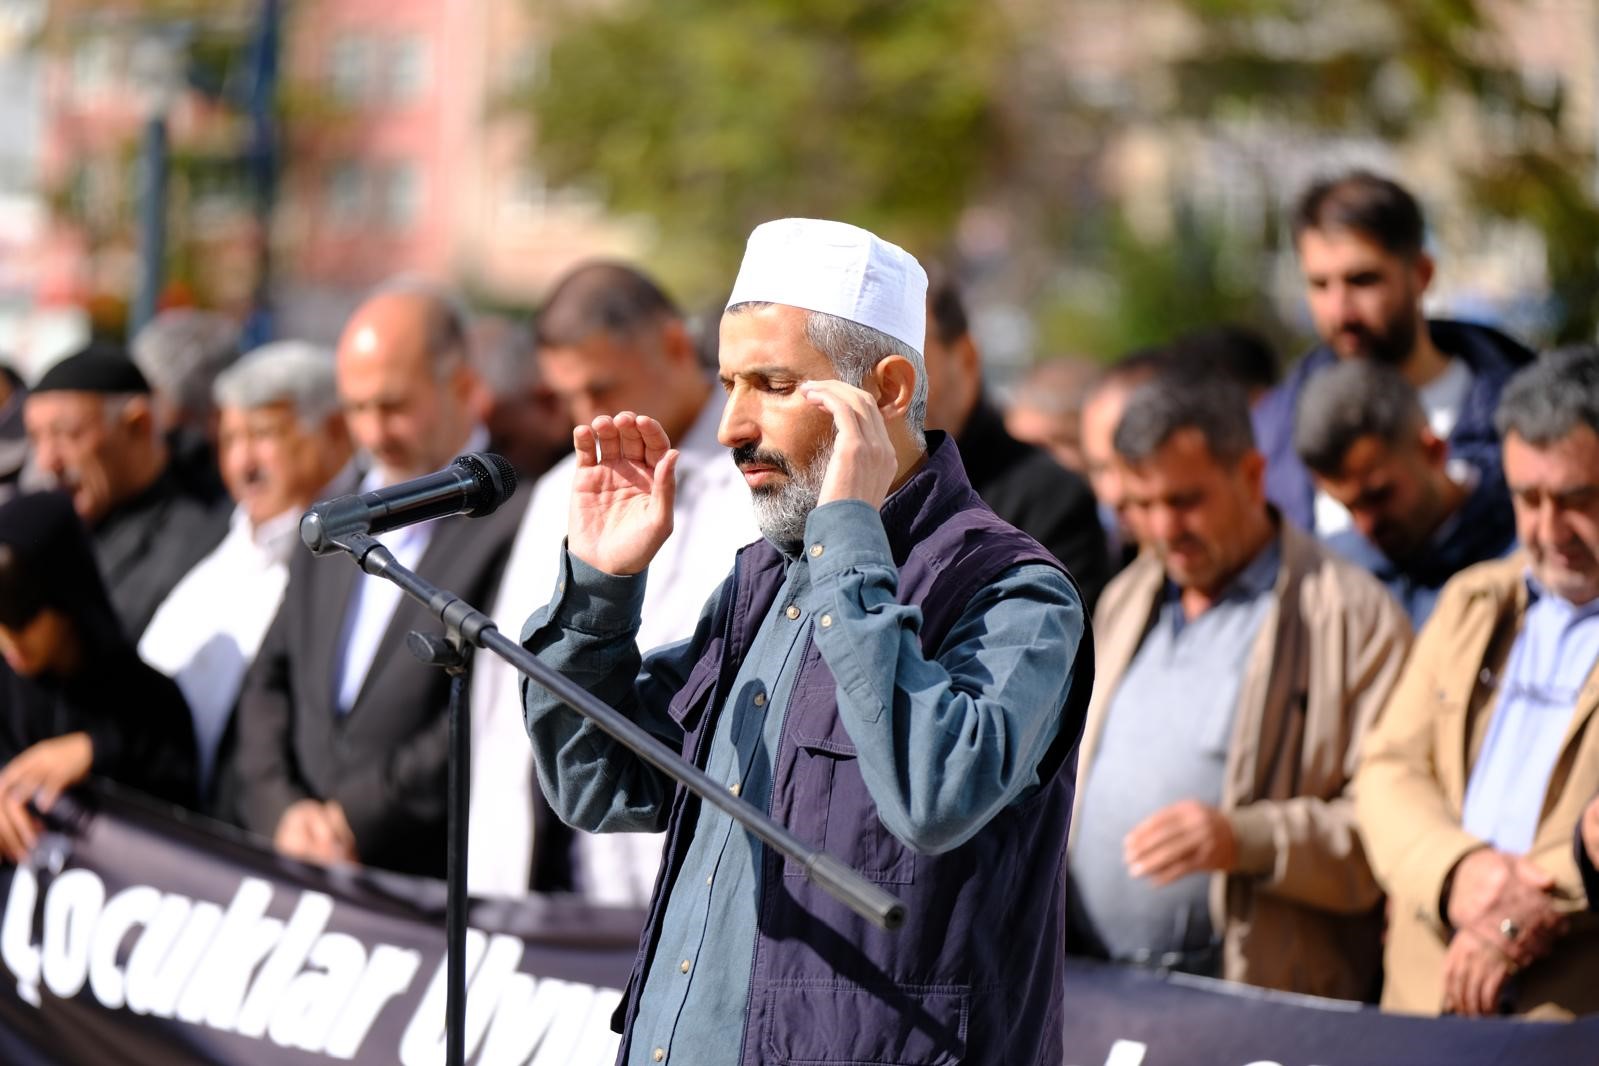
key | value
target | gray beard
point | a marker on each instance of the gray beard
(781, 512)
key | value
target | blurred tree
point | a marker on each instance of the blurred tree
(710, 117)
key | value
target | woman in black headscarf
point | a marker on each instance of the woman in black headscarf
(75, 698)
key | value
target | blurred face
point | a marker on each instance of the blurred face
(1394, 494)
(408, 418)
(86, 449)
(1059, 434)
(780, 441)
(1197, 513)
(1555, 490)
(44, 644)
(1102, 413)
(272, 463)
(1364, 299)
(953, 376)
(606, 374)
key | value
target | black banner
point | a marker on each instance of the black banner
(138, 935)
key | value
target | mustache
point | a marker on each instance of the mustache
(749, 455)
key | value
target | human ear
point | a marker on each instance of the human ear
(895, 378)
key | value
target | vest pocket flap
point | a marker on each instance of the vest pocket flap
(909, 1025)
(690, 700)
(835, 742)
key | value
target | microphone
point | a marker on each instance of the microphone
(474, 485)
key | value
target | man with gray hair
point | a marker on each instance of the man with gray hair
(1418, 516)
(1240, 663)
(181, 352)
(282, 445)
(1476, 778)
(893, 672)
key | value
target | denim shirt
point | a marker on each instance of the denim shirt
(842, 599)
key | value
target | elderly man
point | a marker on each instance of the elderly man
(343, 735)
(1022, 484)
(609, 340)
(1418, 518)
(892, 671)
(1486, 756)
(1360, 241)
(1239, 665)
(94, 434)
(283, 444)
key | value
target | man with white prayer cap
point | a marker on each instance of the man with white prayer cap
(892, 672)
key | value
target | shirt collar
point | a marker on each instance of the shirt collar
(1538, 595)
(1258, 577)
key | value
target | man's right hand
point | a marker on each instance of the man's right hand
(622, 493)
(313, 831)
(1506, 900)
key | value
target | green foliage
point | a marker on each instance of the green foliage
(710, 118)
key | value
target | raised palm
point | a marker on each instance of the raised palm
(622, 492)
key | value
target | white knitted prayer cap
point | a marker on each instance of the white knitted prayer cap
(837, 269)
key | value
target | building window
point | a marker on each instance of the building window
(409, 61)
(350, 69)
(346, 194)
(401, 196)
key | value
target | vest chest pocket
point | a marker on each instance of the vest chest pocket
(808, 1023)
(687, 706)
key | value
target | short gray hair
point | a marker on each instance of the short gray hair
(1548, 399)
(854, 350)
(294, 372)
(1168, 403)
(1352, 399)
(181, 352)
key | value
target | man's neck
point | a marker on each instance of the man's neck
(1196, 601)
(1451, 498)
(1426, 363)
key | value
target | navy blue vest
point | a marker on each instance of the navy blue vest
(976, 973)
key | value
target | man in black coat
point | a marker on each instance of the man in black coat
(343, 736)
(92, 427)
(74, 697)
(1022, 484)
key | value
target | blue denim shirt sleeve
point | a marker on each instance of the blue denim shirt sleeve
(943, 744)
(587, 632)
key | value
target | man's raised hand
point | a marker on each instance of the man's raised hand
(622, 492)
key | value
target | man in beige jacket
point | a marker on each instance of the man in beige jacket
(1239, 664)
(1475, 779)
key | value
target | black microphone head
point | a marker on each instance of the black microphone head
(495, 477)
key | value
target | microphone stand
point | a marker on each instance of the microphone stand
(466, 628)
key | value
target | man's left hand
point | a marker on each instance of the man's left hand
(1475, 971)
(40, 773)
(863, 463)
(1185, 838)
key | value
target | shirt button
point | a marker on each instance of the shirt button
(733, 788)
(792, 612)
(683, 966)
(816, 551)
(660, 1055)
(760, 699)
(827, 620)
(709, 878)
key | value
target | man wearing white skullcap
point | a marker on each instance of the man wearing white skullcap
(892, 672)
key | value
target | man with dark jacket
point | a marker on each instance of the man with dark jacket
(1023, 485)
(92, 425)
(892, 672)
(1418, 519)
(74, 697)
(1360, 243)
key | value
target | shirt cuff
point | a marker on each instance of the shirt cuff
(843, 535)
(592, 601)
